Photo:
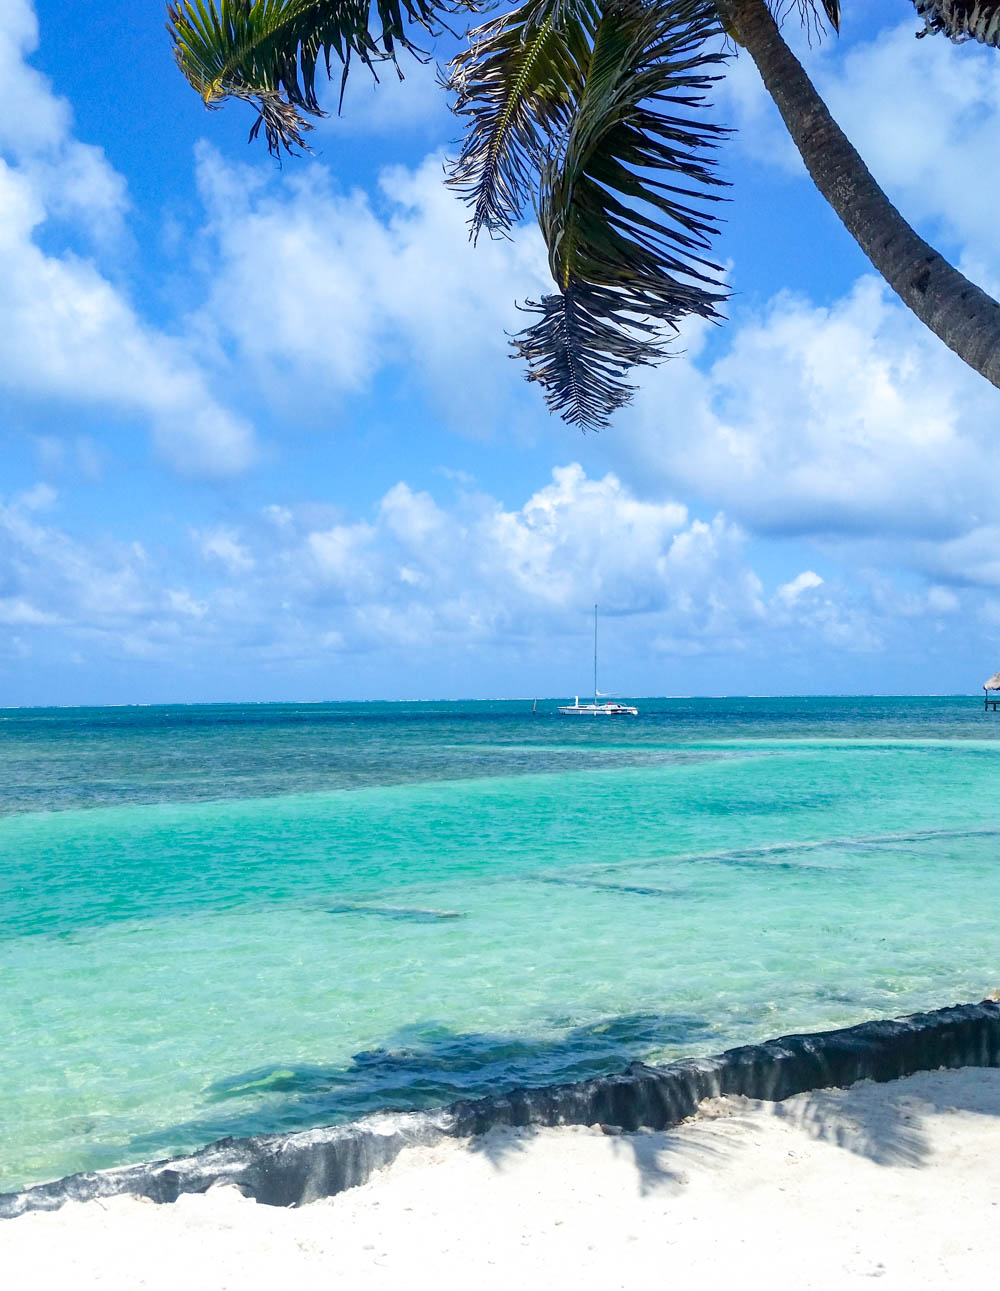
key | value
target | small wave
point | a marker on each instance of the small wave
(631, 889)
(762, 856)
(412, 914)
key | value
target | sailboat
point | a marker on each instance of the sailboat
(608, 709)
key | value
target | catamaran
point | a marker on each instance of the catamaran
(611, 708)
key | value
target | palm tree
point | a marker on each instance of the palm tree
(596, 111)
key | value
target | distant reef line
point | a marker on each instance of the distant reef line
(296, 1168)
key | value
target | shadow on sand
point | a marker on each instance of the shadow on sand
(886, 1123)
(661, 1157)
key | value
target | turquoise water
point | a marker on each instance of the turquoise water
(231, 919)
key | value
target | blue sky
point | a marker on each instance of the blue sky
(261, 437)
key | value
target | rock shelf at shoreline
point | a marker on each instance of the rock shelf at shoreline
(298, 1168)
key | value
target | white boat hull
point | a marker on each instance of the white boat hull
(599, 710)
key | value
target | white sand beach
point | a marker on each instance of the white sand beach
(831, 1189)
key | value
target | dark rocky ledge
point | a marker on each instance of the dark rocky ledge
(291, 1169)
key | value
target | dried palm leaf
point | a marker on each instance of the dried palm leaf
(961, 20)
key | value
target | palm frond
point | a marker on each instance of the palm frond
(267, 51)
(961, 20)
(625, 208)
(516, 83)
(581, 349)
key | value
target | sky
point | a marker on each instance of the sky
(261, 437)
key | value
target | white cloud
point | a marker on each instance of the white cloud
(972, 559)
(415, 105)
(72, 179)
(16, 610)
(47, 577)
(180, 601)
(416, 574)
(279, 516)
(803, 582)
(942, 600)
(418, 583)
(223, 546)
(39, 498)
(842, 421)
(354, 285)
(482, 568)
(66, 332)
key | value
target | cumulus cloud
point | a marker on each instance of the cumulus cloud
(355, 284)
(431, 578)
(839, 421)
(480, 571)
(73, 180)
(803, 582)
(66, 332)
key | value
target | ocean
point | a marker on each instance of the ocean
(233, 919)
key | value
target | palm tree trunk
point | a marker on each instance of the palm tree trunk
(955, 309)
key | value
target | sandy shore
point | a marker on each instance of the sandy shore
(898, 1182)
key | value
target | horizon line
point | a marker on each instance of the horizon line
(487, 699)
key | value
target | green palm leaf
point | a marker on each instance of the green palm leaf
(516, 83)
(625, 208)
(267, 51)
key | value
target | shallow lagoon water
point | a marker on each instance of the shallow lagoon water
(233, 919)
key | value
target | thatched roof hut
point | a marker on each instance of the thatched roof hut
(993, 683)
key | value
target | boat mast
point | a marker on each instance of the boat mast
(595, 655)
